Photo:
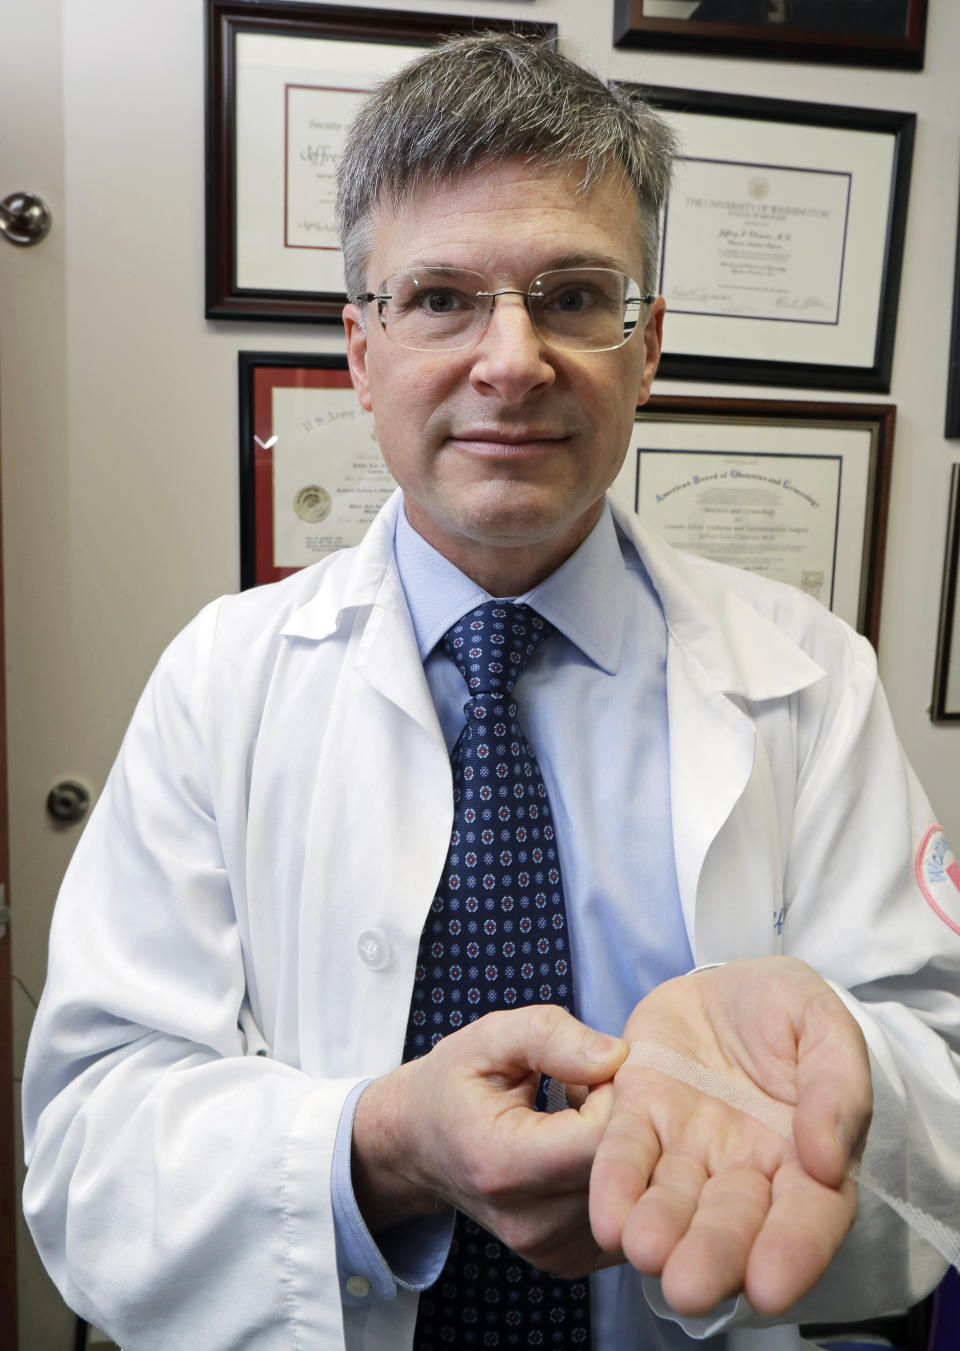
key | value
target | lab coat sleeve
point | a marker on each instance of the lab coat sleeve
(854, 829)
(178, 1187)
(858, 910)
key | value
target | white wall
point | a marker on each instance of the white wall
(119, 400)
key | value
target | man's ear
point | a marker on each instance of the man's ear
(353, 322)
(652, 342)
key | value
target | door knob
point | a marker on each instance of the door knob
(68, 801)
(24, 218)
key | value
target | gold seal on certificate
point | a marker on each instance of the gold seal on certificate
(312, 504)
(323, 432)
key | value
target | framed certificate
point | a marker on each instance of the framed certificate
(311, 474)
(946, 680)
(284, 80)
(952, 428)
(791, 490)
(850, 32)
(783, 240)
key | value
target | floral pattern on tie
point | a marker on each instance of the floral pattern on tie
(495, 938)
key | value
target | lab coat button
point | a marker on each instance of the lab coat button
(374, 949)
(358, 1286)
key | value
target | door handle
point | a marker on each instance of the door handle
(24, 218)
(68, 801)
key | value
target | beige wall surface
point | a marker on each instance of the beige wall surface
(119, 401)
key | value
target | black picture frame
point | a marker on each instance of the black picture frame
(945, 706)
(225, 21)
(728, 427)
(952, 424)
(705, 115)
(635, 26)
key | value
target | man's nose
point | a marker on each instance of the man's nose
(511, 358)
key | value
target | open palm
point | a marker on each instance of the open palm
(703, 1194)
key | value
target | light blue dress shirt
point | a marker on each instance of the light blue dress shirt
(593, 703)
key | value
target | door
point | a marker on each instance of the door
(119, 408)
(35, 494)
(8, 1188)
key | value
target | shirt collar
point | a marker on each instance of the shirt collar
(584, 598)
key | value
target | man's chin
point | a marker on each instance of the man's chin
(507, 517)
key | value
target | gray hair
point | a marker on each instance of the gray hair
(477, 100)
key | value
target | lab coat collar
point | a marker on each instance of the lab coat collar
(351, 579)
(382, 642)
(734, 647)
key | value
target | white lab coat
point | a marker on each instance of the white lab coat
(256, 876)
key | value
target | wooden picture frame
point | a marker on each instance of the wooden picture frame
(885, 33)
(311, 474)
(283, 80)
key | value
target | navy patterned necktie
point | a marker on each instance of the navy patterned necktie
(495, 938)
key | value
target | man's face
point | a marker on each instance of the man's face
(504, 450)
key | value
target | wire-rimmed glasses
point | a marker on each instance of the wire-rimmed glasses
(575, 309)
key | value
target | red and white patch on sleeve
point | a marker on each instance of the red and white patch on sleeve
(938, 874)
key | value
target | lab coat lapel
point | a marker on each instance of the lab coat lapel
(722, 655)
(378, 833)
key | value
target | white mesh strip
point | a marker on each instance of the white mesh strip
(779, 1118)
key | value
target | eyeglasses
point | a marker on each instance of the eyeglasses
(575, 309)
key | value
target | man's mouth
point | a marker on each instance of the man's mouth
(508, 442)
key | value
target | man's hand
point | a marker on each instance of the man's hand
(457, 1127)
(707, 1197)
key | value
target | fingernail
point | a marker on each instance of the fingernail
(598, 1047)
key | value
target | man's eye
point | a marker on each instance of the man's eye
(443, 300)
(571, 300)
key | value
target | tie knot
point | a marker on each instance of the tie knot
(492, 644)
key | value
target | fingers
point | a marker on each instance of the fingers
(802, 1232)
(714, 1202)
(497, 1061)
(546, 1039)
(711, 1236)
(679, 1187)
(622, 1166)
(448, 1125)
(709, 1261)
(521, 1174)
(662, 1217)
(781, 1023)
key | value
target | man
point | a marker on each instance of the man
(262, 1107)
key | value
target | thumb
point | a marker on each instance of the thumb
(551, 1041)
(834, 1092)
(830, 1128)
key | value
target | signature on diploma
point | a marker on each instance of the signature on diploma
(802, 304)
(702, 295)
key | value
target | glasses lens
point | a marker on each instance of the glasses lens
(585, 309)
(434, 307)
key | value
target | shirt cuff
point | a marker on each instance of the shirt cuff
(411, 1254)
(711, 1325)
